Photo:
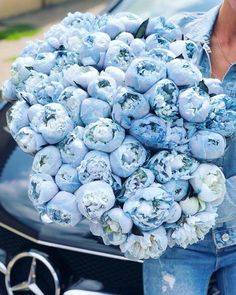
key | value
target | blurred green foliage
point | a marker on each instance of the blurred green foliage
(18, 31)
(12, 58)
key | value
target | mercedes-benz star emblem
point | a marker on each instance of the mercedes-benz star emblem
(30, 284)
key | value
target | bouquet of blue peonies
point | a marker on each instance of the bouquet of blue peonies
(124, 129)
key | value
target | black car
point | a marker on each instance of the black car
(42, 258)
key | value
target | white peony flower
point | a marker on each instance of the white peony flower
(193, 229)
(190, 206)
(94, 199)
(150, 244)
(81, 76)
(113, 227)
(208, 182)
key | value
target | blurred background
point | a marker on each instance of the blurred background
(25, 20)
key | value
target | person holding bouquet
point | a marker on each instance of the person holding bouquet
(189, 270)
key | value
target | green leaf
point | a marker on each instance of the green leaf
(180, 56)
(136, 231)
(142, 29)
(203, 86)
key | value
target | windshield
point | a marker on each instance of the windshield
(147, 8)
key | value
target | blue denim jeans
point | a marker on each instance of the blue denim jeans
(188, 271)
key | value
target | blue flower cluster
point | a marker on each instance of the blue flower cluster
(124, 130)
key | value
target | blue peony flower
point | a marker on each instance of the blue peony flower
(117, 74)
(21, 69)
(175, 214)
(183, 73)
(188, 49)
(81, 76)
(94, 199)
(72, 148)
(41, 188)
(119, 54)
(111, 25)
(149, 207)
(192, 230)
(64, 59)
(71, 98)
(161, 54)
(56, 35)
(54, 124)
(129, 105)
(177, 188)
(103, 135)
(47, 160)
(33, 48)
(207, 145)
(93, 109)
(143, 73)
(150, 131)
(194, 105)
(138, 47)
(67, 178)
(177, 136)
(17, 117)
(93, 49)
(35, 113)
(85, 21)
(128, 157)
(29, 140)
(191, 205)
(104, 88)
(208, 182)
(141, 178)
(39, 88)
(130, 20)
(114, 227)
(154, 41)
(161, 26)
(125, 37)
(163, 99)
(44, 62)
(9, 91)
(222, 115)
(62, 209)
(168, 165)
(96, 166)
(214, 86)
